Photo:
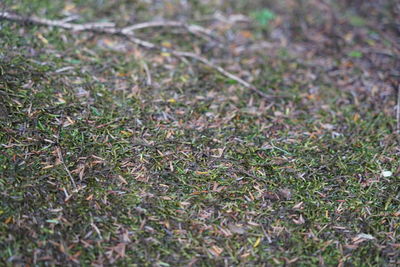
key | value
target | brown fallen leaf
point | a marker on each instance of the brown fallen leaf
(122, 179)
(120, 249)
(285, 194)
(300, 220)
(216, 251)
(298, 206)
(237, 229)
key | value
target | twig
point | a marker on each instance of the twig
(398, 109)
(280, 149)
(109, 28)
(231, 19)
(102, 27)
(255, 47)
(60, 157)
(224, 72)
(148, 73)
(194, 29)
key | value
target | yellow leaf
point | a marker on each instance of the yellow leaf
(69, 7)
(122, 74)
(356, 117)
(126, 133)
(258, 241)
(8, 220)
(166, 44)
(42, 39)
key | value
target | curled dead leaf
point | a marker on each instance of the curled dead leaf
(300, 220)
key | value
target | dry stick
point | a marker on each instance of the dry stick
(94, 27)
(398, 109)
(223, 72)
(61, 158)
(108, 28)
(194, 29)
(231, 19)
(148, 74)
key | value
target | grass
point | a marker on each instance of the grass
(193, 170)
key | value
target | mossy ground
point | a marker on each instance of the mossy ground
(194, 169)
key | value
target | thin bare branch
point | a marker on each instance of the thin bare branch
(148, 73)
(398, 109)
(222, 71)
(103, 27)
(61, 158)
(109, 28)
(231, 19)
(254, 47)
(194, 29)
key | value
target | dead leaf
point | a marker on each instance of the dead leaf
(122, 179)
(215, 251)
(224, 231)
(257, 243)
(290, 261)
(298, 206)
(245, 255)
(271, 196)
(8, 220)
(120, 249)
(300, 220)
(285, 194)
(246, 34)
(237, 228)
(362, 237)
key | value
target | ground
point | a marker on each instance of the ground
(115, 155)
